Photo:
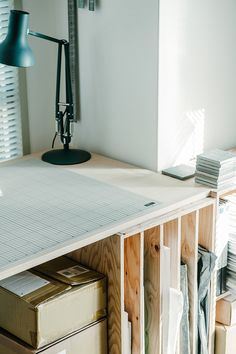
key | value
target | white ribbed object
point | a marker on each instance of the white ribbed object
(10, 120)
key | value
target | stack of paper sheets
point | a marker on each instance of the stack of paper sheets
(221, 245)
(215, 168)
(231, 267)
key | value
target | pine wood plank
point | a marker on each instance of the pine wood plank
(189, 254)
(106, 256)
(152, 281)
(207, 240)
(133, 292)
(168, 216)
(171, 193)
(172, 239)
(207, 227)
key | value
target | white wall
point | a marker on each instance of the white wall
(195, 109)
(48, 17)
(197, 83)
(118, 65)
(118, 62)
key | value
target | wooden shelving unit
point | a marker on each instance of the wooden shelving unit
(133, 261)
(131, 254)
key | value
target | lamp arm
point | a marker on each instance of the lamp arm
(69, 94)
(69, 99)
(48, 38)
(63, 126)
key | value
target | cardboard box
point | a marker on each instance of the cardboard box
(226, 310)
(68, 271)
(225, 342)
(91, 340)
(40, 310)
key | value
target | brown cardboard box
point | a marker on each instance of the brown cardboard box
(68, 271)
(225, 342)
(40, 310)
(226, 310)
(91, 340)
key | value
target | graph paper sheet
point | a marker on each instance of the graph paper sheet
(42, 206)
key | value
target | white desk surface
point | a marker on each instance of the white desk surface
(30, 236)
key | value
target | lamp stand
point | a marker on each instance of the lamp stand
(66, 156)
(64, 112)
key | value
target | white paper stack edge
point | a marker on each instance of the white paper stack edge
(221, 245)
(215, 168)
(127, 334)
(231, 267)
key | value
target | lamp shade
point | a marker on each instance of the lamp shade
(14, 50)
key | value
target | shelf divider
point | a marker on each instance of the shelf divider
(189, 254)
(207, 240)
(106, 256)
(153, 241)
(134, 289)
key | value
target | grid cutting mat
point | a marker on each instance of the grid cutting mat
(42, 206)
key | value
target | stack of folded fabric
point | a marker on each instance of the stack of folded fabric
(215, 168)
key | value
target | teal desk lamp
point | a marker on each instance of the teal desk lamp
(15, 51)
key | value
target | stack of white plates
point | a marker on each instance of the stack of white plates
(215, 168)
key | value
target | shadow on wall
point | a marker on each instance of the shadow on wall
(190, 137)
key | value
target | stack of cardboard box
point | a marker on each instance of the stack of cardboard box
(57, 307)
(226, 325)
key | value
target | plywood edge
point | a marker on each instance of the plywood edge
(172, 239)
(153, 241)
(189, 255)
(207, 224)
(134, 289)
(169, 216)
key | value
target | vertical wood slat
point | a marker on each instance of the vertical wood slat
(189, 254)
(106, 256)
(133, 289)
(142, 287)
(172, 239)
(153, 239)
(116, 256)
(207, 240)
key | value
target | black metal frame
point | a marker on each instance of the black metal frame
(64, 119)
(63, 125)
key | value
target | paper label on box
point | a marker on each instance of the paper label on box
(73, 271)
(23, 283)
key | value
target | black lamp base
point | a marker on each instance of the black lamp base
(66, 156)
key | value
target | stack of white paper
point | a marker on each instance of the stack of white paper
(221, 244)
(172, 308)
(215, 168)
(127, 334)
(231, 267)
(175, 315)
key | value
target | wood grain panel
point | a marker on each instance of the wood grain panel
(189, 254)
(172, 239)
(207, 227)
(207, 240)
(152, 281)
(106, 256)
(133, 289)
